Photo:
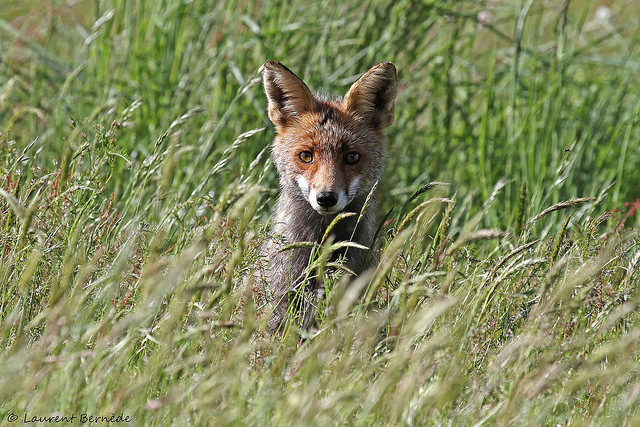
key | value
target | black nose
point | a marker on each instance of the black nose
(326, 199)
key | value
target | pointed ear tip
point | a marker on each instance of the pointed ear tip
(388, 65)
(387, 69)
(272, 65)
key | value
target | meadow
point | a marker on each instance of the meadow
(136, 187)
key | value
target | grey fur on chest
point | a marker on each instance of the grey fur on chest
(296, 221)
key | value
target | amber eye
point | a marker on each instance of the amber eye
(306, 157)
(353, 157)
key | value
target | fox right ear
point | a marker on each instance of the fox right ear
(288, 96)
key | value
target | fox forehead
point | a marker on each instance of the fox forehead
(328, 128)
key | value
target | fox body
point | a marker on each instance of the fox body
(329, 152)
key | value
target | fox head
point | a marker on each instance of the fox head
(330, 150)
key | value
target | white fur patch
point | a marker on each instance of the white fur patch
(353, 187)
(343, 201)
(314, 203)
(304, 185)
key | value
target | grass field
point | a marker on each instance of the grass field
(136, 187)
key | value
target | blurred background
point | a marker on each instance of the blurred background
(135, 185)
(543, 94)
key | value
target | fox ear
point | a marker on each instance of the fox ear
(373, 96)
(288, 95)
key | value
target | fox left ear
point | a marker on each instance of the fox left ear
(373, 96)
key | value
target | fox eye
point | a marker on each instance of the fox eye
(353, 157)
(306, 156)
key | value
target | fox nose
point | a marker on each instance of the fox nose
(327, 199)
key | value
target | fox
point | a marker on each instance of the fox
(329, 152)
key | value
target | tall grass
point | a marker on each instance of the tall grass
(135, 185)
